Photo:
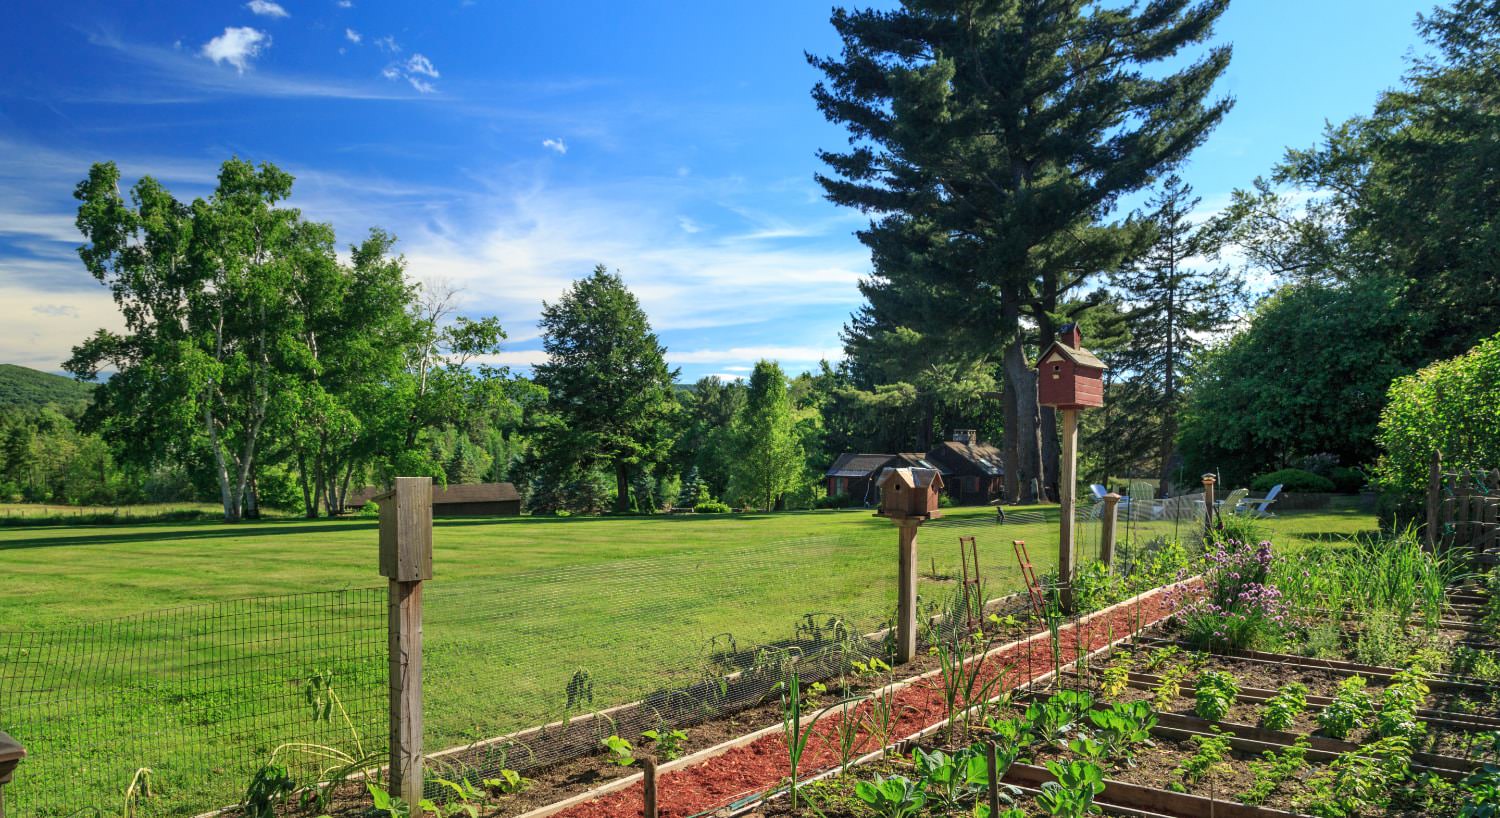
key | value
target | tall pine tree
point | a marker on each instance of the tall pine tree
(989, 144)
(1171, 307)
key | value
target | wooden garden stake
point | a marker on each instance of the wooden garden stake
(1434, 499)
(1107, 523)
(406, 560)
(993, 765)
(1208, 505)
(648, 787)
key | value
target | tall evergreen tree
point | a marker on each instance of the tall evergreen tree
(770, 458)
(607, 381)
(1172, 306)
(990, 143)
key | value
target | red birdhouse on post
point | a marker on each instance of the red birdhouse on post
(1069, 376)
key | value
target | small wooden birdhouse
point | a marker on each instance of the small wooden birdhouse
(909, 492)
(1069, 376)
(11, 753)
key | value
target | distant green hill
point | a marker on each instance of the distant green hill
(25, 388)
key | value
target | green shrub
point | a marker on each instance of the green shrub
(1291, 480)
(711, 507)
(1448, 407)
(833, 501)
(1347, 480)
(945, 501)
(370, 509)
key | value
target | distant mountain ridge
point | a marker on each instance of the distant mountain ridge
(25, 388)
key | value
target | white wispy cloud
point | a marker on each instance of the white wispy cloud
(345, 4)
(413, 69)
(388, 43)
(238, 45)
(418, 64)
(510, 244)
(266, 8)
(177, 75)
(556, 145)
(352, 36)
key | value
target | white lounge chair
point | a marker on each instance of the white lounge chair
(1231, 503)
(1257, 507)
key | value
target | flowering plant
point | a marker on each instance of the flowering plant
(1241, 608)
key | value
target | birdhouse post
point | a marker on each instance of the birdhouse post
(908, 498)
(1069, 378)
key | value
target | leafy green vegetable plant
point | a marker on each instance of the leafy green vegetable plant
(1123, 727)
(1281, 710)
(1214, 694)
(668, 741)
(1275, 770)
(1349, 710)
(508, 782)
(1211, 752)
(1072, 794)
(619, 751)
(894, 797)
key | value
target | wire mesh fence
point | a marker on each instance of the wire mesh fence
(526, 670)
(204, 696)
(172, 712)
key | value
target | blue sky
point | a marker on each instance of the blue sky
(514, 145)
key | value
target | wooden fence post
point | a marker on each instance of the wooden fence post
(1108, 517)
(1208, 505)
(648, 787)
(406, 560)
(906, 593)
(1434, 499)
(11, 753)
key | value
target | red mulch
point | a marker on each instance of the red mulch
(762, 765)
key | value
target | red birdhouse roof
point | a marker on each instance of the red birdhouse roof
(1077, 355)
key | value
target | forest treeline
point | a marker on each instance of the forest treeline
(258, 366)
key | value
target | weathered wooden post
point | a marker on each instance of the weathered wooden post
(11, 753)
(406, 560)
(1208, 505)
(1107, 519)
(1069, 378)
(648, 787)
(1434, 500)
(908, 497)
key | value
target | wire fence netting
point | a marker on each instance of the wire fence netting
(172, 712)
(527, 670)
(204, 696)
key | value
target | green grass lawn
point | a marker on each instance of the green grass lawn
(98, 681)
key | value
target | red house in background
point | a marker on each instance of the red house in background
(1069, 376)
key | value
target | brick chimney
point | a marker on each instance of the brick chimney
(1070, 335)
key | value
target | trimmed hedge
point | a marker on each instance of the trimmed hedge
(1452, 406)
(711, 507)
(1291, 480)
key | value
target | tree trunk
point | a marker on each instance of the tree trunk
(1020, 392)
(221, 468)
(1051, 445)
(1169, 394)
(622, 487)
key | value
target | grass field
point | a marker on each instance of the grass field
(517, 607)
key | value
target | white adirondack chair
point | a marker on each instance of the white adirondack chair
(1258, 507)
(1231, 503)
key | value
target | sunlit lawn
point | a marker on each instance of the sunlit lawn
(517, 606)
